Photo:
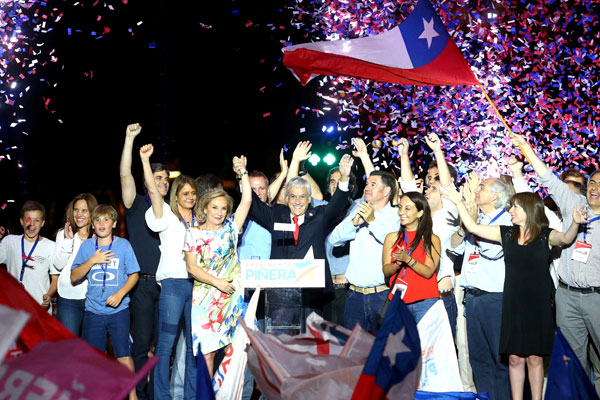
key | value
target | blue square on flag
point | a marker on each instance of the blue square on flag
(424, 34)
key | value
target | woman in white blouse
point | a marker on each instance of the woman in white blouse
(71, 297)
(170, 221)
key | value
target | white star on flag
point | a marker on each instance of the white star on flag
(395, 346)
(428, 32)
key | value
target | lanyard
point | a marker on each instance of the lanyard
(184, 223)
(496, 217)
(586, 226)
(28, 256)
(476, 251)
(409, 252)
(105, 266)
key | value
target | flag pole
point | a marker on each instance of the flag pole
(501, 118)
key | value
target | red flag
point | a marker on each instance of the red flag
(41, 325)
(69, 369)
(419, 51)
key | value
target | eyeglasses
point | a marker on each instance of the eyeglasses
(577, 184)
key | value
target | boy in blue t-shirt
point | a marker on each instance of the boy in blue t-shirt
(110, 266)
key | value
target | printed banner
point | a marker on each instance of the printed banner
(305, 273)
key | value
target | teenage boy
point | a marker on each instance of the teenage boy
(29, 257)
(110, 266)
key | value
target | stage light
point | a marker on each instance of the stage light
(314, 159)
(329, 159)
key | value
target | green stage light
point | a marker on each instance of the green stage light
(329, 159)
(314, 159)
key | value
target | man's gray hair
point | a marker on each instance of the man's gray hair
(590, 177)
(298, 181)
(503, 191)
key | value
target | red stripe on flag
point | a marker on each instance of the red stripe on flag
(262, 370)
(449, 68)
(367, 389)
(322, 345)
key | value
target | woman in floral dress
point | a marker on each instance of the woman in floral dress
(211, 257)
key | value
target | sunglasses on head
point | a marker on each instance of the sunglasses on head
(575, 183)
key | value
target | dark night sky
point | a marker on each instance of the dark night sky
(196, 95)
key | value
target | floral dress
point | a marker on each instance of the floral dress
(214, 313)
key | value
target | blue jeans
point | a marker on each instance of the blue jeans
(95, 327)
(451, 310)
(362, 309)
(175, 303)
(484, 319)
(419, 308)
(70, 313)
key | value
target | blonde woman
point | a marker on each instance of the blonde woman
(211, 256)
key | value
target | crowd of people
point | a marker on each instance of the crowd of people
(508, 265)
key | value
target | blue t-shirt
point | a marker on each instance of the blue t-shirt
(116, 270)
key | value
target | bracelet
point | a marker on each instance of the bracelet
(242, 174)
(414, 263)
(459, 235)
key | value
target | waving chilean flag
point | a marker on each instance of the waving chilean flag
(393, 368)
(419, 51)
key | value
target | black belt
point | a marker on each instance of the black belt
(476, 292)
(578, 289)
(340, 285)
(148, 276)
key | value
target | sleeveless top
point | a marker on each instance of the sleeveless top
(419, 287)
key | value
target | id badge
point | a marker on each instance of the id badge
(582, 251)
(401, 286)
(472, 262)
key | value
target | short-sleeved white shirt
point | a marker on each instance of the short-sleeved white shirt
(36, 279)
(171, 231)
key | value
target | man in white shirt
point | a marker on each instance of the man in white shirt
(366, 227)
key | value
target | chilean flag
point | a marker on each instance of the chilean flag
(419, 52)
(393, 368)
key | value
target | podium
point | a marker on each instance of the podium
(283, 281)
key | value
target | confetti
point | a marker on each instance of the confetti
(538, 60)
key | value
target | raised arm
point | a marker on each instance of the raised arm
(239, 166)
(538, 165)
(276, 184)
(155, 197)
(434, 143)
(566, 238)
(335, 207)
(314, 188)
(405, 170)
(516, 168)
(127, 182)
(362, 153)
(489, 232)
(301, 153)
